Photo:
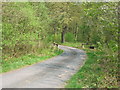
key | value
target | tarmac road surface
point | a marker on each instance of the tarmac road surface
(52, 73)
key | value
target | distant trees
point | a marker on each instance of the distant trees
(60, 15)
(91, 23)
(30, 25)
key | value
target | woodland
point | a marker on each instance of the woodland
(30, 28)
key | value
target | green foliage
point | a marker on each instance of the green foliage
(15, 63)
(23, 28)
(54, 38)
(69, 37)
(31, 27)
(97, 72)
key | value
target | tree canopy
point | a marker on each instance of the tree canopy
(29, 27)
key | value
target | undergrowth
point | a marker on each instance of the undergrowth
(97, 72)
(28, 59)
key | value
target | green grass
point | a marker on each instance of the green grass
(89, 75)
(16, 63)
(76, 45)
(95, 73)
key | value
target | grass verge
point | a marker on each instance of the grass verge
(97, 72)
(89, 75)
(16, 63)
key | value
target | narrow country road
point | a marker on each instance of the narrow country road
(52, 73)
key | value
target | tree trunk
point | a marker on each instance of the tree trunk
(76, 31)
(63, 35)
